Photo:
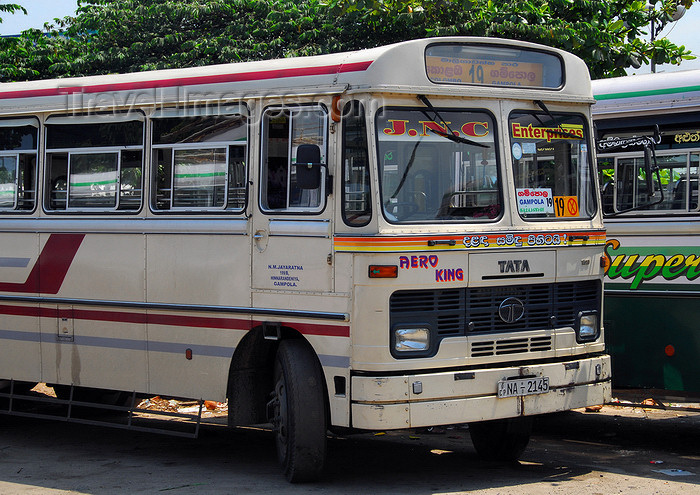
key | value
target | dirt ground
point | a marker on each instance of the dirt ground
(614, 450)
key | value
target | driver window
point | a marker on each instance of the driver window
(284, 185)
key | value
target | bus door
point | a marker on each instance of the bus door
(292, 244)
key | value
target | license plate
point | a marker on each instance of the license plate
(523, 386)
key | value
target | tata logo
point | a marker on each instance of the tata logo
(511, 310)
(514, 266)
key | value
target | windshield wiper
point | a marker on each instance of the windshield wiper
(405, 173)
(451, 136)
(557, 130)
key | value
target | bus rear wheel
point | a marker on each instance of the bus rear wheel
(298, 412)
(502, 439)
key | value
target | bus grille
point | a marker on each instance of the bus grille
(510, 346)
(474, 311)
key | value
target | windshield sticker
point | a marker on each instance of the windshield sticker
(517, 151)
(533, 201)
(529, 148)
(566, 206)
(564, 131)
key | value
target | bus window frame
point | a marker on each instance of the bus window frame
(19, 153)
(592, 167)
(648, 210)
(352, 107)
(326, 176)
(237, 110)
(91, 119)
(500, 177)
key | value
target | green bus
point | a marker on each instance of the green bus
(652, 284)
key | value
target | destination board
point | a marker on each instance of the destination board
(491, 72)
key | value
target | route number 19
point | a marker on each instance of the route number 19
(477, 73)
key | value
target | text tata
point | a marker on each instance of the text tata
(432, 261)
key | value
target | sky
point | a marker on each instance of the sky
(683, 32)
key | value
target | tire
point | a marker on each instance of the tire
(299, 412)
(501, 440)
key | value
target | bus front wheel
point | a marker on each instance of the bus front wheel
(298, 412)
(502, 439)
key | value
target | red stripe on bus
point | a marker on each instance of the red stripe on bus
(167, 320)
(194, 80)
(325, 330)
(51, 266)
(316, 329)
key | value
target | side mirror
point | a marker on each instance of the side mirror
(308, 166)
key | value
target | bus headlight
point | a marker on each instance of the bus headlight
(588, 327)
(411, 339)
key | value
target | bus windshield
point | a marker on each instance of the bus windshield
(428, 177)
(551, 166)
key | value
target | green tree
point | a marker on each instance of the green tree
(609, 35)
(37, 55)
(126, 35)
(11, 8)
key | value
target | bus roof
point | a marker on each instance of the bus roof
(630, 95)
(382, 69)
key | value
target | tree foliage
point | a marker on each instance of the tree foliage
(11, 8)
(607, 34)
(108, 36)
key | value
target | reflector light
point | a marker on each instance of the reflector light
(383, 271)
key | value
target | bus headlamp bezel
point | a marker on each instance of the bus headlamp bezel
(588, 328)
(411, 340)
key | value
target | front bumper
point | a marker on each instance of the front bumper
(429, 399)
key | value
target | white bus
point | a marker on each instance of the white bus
(392, 238)
(652, 289)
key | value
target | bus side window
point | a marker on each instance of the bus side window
(196, 166)
(284, 131)
(606, 173)
(18, 149)
(237, 177)
(162, 173)
(673, 171)
(625, 182)
(678, 182)
(94, 163)
(57, 178)
(357, 198)
(693, 182)
(130, 180)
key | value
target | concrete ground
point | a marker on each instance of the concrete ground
(614, 450)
